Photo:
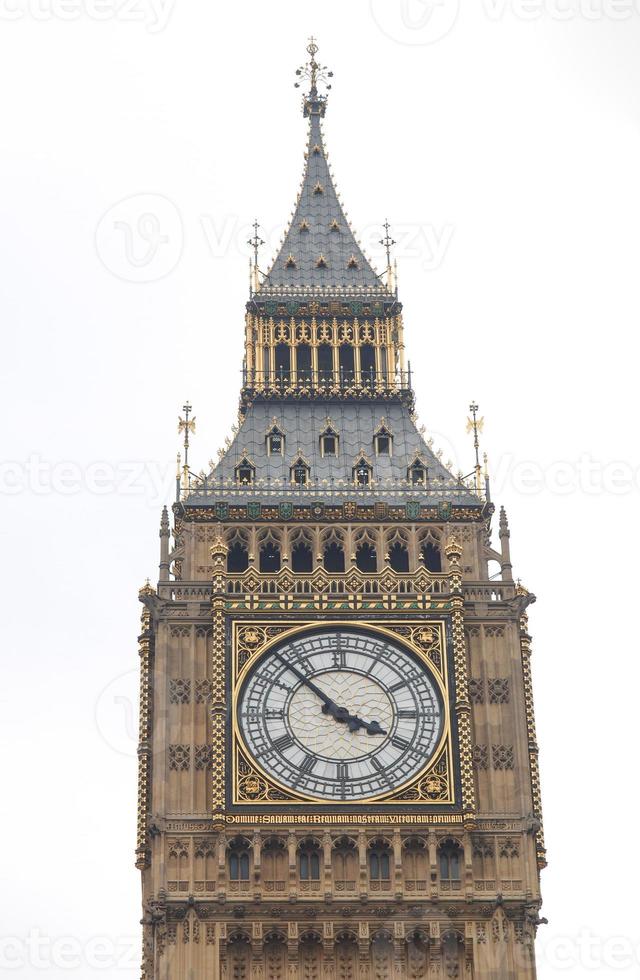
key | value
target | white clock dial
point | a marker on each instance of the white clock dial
(340, 714)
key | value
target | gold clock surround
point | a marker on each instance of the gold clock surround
(426, 639)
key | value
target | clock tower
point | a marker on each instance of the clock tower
(338, 769)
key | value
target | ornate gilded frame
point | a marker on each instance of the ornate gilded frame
(435, 789)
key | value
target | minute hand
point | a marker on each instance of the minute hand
(331, 708)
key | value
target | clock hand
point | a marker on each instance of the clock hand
(372, 727)
(329, 707)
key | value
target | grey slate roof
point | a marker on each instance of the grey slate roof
(318, 206)
(331, 478)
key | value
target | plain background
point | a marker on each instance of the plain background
(138, 142)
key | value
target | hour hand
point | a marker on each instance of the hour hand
(372, 727)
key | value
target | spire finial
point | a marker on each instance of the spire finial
(476, 425)
(315, 73)
(186, 425)
(255, 242)
(388, 241)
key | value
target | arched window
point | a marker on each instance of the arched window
(245, 471)
(345, 865)
(301, 557)
(283, 362)
(274, 864)
(309, 861)
(431, 557)
(379, 865)
(275, 441)
(329, 442)
(238, 860)
(334, 557)
(362, 472)
(237, 558)
(366, 558)
(453, 954)
(270, 556)
(265, 363)
(415, 864)
(300, 472)
(383, 441)
(325, 363)
(417, 473)
(368, 364)
(399, 557)
(346, 363)
(303, 363)
(450, 861)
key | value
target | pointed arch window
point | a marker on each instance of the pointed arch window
(239, 860)
(309, 861)
(431, 557)
(383, 440)
(450, 859)
(329, 441)
(300, 472)
(362, 472)
(245, 471)
(417, 472)
(275, 440)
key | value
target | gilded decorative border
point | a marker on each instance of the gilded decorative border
(525, 650)
(145, 641)
(251, 785)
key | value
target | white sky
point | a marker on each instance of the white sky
(506, 154)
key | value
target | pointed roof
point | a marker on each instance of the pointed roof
(319, 252)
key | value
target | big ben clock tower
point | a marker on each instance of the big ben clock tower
(338, 768)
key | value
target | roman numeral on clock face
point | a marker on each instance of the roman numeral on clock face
(342, 770)
(307, 763)
(283, 742)
(399, 743)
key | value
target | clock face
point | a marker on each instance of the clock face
(340, 715)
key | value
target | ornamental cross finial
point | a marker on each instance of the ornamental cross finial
(255, 242)
(313, 71)
(476, 425)
(387, 241)
(186, 425)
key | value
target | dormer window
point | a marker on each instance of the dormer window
(316, 149)
(322, 262)
(352, 263)
(291, 262)
(362, 472)
(300, 471)
(383, 440)
(275, 442)
(304, 225)
(334, 226)
(245, 472)
(318, 189)
(329, 442)
(417, 473)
